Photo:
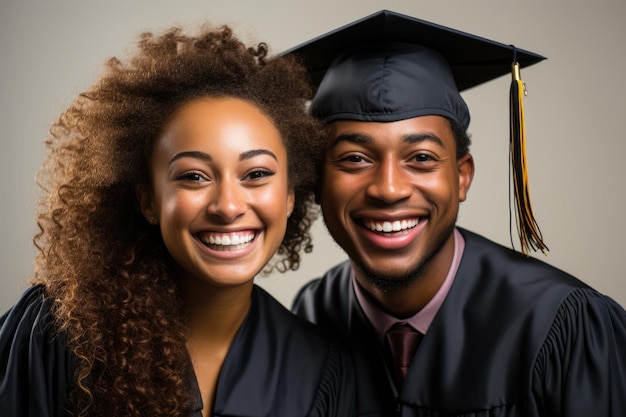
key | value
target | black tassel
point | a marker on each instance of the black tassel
(528, 230)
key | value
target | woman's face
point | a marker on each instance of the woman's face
(220, 191)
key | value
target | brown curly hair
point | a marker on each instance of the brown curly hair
(106, 268)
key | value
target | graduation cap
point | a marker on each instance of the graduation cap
(388, 66)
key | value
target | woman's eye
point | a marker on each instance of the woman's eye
(258, 174)
(191, 176)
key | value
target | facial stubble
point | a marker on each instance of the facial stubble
(388, 283)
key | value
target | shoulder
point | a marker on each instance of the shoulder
(563, 310)
(519, 288)
(288, 326)
(29, 327)
(331, 291)
(589, 316)
(300, 340)
(482, 255)
(286, 351)
(338, 277)
(31, 312)
(580, 369)
(35, 362)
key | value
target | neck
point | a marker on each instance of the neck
(214, 314)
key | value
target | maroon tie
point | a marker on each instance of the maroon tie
(402, 341)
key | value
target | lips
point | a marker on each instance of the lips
(227, 241)
(390, 234)
(390, 226)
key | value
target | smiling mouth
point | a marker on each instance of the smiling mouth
(227, 241)
(390, 226)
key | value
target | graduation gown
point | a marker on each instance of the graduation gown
(278, 365)
(514, 337)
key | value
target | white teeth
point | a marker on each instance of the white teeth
(388, 227)
(228, 239)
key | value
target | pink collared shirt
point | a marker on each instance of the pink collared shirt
(382, 321)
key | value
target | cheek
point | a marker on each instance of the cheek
(272, 203)
(443, 190)
(433, 185)
(182, 206)
(442, 182)
(336, 187)
(336, 197)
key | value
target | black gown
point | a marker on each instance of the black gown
(278, 365)
(514, 337)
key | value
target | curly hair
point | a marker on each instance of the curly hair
(105, 267)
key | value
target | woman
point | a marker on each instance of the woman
(168, 186)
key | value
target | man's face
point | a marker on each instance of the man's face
(390, 196)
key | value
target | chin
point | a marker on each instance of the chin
(387, 279)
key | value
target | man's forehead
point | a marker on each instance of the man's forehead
(417, 129)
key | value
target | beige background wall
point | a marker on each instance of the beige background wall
(51, 50)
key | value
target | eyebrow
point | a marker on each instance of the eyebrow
(351, 138)
(360, 138)
(207, 158)
(255, 152)
(192, 154)
(423, 137)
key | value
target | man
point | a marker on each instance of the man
(491, 331)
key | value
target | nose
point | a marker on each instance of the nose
(227, 200)
(390, 183)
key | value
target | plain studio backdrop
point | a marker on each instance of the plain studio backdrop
(575, 110)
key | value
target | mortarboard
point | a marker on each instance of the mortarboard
(388, 66)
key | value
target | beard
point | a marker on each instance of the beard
(389, 282)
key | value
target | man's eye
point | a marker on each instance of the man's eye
(352, 158)
(422, 157)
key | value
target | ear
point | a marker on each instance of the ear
(465, 166)
(291, 201)
(145, 196)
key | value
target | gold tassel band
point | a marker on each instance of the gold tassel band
(528, 230)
